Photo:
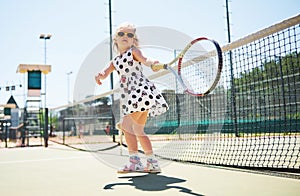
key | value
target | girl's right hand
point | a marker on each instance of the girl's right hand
(97, 78)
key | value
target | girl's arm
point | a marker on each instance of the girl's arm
(138, 56)
(102, 75)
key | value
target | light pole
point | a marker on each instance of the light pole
(68, 77)
(45, 38)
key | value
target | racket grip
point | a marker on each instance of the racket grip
(159, 66)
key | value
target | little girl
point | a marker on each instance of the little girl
(139, 97)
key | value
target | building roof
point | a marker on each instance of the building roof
(12, 101)
(23, 68)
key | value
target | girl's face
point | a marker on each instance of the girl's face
(124, 39)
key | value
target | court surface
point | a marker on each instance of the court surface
(59, 170)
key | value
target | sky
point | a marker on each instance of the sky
(78, 26)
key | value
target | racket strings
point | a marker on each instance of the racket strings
(199, 67)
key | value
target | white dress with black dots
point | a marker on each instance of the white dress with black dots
(136, 91)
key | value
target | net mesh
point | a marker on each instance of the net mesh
(250, 120)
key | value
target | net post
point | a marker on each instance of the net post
(64, 131)
(46, 136)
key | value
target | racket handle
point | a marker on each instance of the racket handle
(159, 66)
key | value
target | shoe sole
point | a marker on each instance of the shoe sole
(149, 172)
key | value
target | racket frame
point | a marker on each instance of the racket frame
(179, 58)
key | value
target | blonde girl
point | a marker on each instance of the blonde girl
(139, 97)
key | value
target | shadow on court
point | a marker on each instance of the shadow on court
(152, 182)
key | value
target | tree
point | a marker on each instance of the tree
(271, 87)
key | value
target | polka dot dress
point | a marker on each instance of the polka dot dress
(137, 92)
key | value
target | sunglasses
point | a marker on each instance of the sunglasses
(121, 34)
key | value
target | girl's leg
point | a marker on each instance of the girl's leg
(134, 163)
(140, 119)
(130, 137)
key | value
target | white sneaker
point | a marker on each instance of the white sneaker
(134, 165)
(152, 166)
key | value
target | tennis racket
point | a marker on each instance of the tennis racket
(199, 66)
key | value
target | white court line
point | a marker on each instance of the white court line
(40, 160)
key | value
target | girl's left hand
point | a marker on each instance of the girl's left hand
(155, 69)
